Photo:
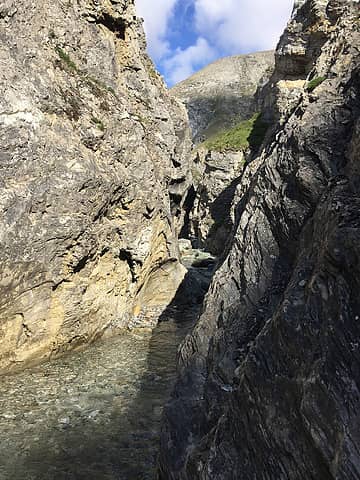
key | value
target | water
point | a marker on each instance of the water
(93, 414)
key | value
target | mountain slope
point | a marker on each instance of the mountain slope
(223, 93)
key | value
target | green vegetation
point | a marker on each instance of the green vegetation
(66, 59)
(94, 82)
(73, 98)
(96, 85)
(247, 134)
(73, 104)
(141, 119)
(315, 82)
(98, 123)
(110, 89)
(151, 71)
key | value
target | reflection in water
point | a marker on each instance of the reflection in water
(95, 415)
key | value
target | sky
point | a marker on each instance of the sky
(185, 35)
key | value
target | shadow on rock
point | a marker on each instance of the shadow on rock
(120, 441)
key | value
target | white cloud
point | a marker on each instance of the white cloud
(240, 26)
(156, 22)
(221, 27)
(182, 63)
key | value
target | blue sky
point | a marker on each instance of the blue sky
(185, 35)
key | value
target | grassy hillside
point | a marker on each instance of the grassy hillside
(246, 134)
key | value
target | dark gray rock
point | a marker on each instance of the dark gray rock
(269, 380)
(216, 176)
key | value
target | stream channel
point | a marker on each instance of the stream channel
(95, 414)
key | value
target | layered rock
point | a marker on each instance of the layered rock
(223, 93)
(269, 384)
(217, 98)
(211, 217)
(94, 171)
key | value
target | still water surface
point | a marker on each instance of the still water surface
(92, 415)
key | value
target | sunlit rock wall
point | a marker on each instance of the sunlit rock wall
(93, 158)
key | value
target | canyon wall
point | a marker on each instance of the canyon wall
(268, 383)
(211, 217)
(219, 98)
(94, 171)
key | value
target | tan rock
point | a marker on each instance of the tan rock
(90, 147)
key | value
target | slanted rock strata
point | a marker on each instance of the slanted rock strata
(269, 379)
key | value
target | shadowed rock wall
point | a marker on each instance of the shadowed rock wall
(269, 383)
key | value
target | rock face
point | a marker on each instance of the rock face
(93, 156)
(223, 93)
(269, 383)
(211, 216)
(217, 98)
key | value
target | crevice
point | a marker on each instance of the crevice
(175, 163)
(175, 204)
(188, 207)
(57, 285)
(81, 264)
(126, 256)
(177, 181)
(116, 198)
(149, 212)
(115, 25)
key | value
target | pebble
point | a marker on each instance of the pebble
(75, 417)
(64, 421)
(94, 413)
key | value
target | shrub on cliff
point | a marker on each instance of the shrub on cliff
(315, 82)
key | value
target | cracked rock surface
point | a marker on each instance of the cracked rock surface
(210, 219)
(269, 384)
(94, 170)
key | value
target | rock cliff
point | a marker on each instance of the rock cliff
(94, 171)
(210, 217)
(269, 383)
(219, 98)
(223, 93)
